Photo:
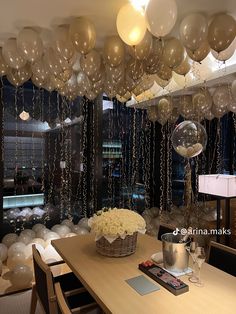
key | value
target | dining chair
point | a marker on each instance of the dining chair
(43, 290)
(222, 257)
(82, 303)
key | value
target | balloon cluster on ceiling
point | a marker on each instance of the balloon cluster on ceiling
(71, 65)
(198, 106)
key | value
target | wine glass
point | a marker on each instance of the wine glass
(200, 259)
(192, 252)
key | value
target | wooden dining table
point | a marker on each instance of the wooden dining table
(105, 278)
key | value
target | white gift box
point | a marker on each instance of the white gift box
(217, 184)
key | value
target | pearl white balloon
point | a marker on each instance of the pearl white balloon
(38, 227)
(67, 223)
(71, 234)
(9, 239)
(38, 211)
(28, 232)
(3, 252)
(50, 252)
(82, 231)
(28, 250)
(55, 228)
(38, 241)
(16, 259)
(51, 236)
(16, 247)
(63, 230)
(24, 238)
(26, 212)
(21, 276)
(161, 16)
(83, 223)
(42, 232)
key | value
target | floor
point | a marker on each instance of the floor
(18, 303)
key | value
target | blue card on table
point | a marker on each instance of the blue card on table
(142, 285)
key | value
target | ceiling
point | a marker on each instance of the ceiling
(46, 14)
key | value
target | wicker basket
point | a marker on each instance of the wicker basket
(119, 247)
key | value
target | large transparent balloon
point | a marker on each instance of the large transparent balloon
(189, 139)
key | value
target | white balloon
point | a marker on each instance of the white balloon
(3, 252)
(21, 276)
(24, 238)
(82, 231)
(16, 259)
(50, 252)
(42, 232)
(38, 241)
(38, 227)
(28, 250)
(16, 247)
(233, 89)
(67, 223)
(9, 239)
(71, 234)
(83, 223)
(28, 232)
(161, 16)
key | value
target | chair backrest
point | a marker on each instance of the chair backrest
(164, 228)
(44, 283)
(222, 257)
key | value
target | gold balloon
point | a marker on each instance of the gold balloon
(193, 30)
(173, 53)
(30, 44)
(200, 53)
(165, 108)
(225, 54)
(157, 47)
(131, 25)
(143, 49)
(114, 51)
(150, 65)
(221, 32)
(163, 71)
(202, 101)
(184, 67)
(83, 35)
(62, 44)
(152, 113)
(161, 82)
(11, 54)
(37, 81)
(51, 60)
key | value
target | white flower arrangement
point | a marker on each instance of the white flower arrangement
(116, 222)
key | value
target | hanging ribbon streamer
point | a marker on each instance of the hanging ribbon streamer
(147, 164)
(162, 168)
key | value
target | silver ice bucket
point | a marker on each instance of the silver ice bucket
(175, 255)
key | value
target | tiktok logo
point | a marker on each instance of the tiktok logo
(176, 231)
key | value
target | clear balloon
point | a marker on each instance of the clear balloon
(20, 76)
(40, 70)
(4, 68)
(165, 108)
(189, 139)
(131, 25)
(62, 44)
(82, 34)
(152, 113)
(51, 60)
(161, 16)
(173, 53)
(222, 97)
(202, 101)
(193, 31)
(135, 69)
(221, 32)
(186, 108)
(11, 55)
(200, 53)
(233, 89)
(90, 63)
(114, 51)
(29, 44)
